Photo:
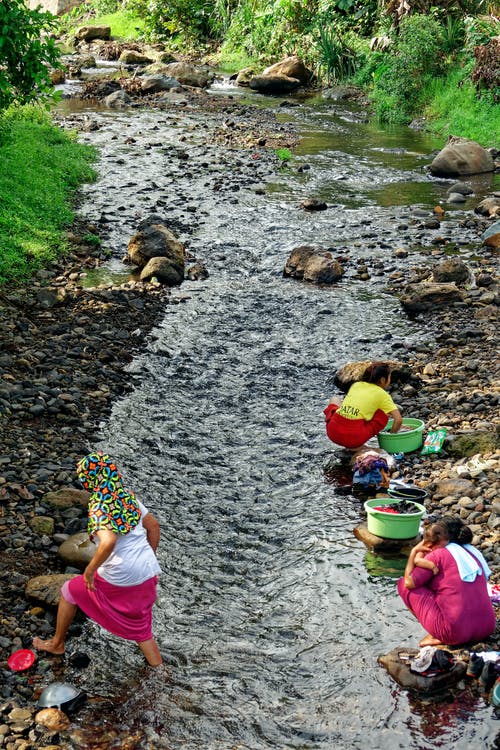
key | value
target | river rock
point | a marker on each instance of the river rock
(56, 7)
(453, 270)
(313, 264)
(398, 667)
(184, 72)
(89, 33)
(290, 67)
(379, 544)
(66, 498)
(349, 373)
(78, 550)
(117, 100)
(313, 204)
(53, 719)
(46, 590)
(42, 525)
(244, 76)
(428, 295)
(134, 57)
(461, 188)
(274, 85)
(461, 157)
(491, 236)
(455, 488)
(163, 269)
(156, 241)
(158, 82)
(341, 93)
(489, 207)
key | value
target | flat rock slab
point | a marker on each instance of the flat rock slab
(398, 667)
(380, 544)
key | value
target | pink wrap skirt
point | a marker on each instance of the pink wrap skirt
(126, 611)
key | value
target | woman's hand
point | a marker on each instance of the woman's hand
(107, 541)
(88, 575)
(397, 420)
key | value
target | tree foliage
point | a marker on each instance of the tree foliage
(25, 54)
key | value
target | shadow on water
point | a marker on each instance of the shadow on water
(271, 615)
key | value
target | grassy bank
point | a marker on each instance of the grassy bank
(454, 109)
(41, 166)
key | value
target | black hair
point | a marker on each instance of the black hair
(454, 529)
(375, 372)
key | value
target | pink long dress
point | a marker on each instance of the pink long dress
(454, 611)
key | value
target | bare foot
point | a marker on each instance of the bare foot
(429, 640)
(48, 646)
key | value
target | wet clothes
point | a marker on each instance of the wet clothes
(362, 414)
(454, 611)
(125, 611)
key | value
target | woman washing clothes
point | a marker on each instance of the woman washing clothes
(453, 604)
(365, 410)
(118, 586)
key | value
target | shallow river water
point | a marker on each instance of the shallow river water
(271, 614)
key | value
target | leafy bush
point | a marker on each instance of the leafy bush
(415, 56)
(337, 58)
(486, 72)
(25, 56)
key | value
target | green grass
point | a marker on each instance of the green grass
(41, 166)
(454, 109)
(123, 24)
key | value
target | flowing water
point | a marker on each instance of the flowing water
(270, 613)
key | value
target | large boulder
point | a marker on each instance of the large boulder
(46, 590)
(189, 75)
(154, 84)
(66, 498)
(56, 7)
(78, 550)
(244, 77)
(274, 85)
(353, 371)
(134, 57)
(453, 270)
(461, 156)
(313, 264)
(397, 664)
(164, 270)
(89, 33)
(291, 67)
(155, 241)
(428, 295)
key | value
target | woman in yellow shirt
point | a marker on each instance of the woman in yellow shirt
(365, 410)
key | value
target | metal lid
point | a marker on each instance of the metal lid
(55, 695)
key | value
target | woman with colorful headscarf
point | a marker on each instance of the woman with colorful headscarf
(118, 586)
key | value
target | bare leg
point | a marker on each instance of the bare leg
(429, 640)
(65, 615)
(151, 652)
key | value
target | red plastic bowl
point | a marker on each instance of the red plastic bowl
(22, 659)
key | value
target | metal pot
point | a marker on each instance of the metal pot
(62, 695)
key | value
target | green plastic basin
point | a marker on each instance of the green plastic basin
(402, 442)
(392, 525)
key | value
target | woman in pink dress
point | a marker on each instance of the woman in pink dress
(118, 586)
(453, 605)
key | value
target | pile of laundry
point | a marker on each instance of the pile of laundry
(372, 470)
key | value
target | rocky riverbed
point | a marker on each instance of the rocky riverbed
(64, 350)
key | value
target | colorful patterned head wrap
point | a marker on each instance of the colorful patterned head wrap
(110, 505)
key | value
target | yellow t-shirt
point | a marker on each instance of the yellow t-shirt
(363, 400)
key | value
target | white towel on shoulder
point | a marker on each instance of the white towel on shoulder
(470, 561)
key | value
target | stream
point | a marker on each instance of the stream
(270, 614)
